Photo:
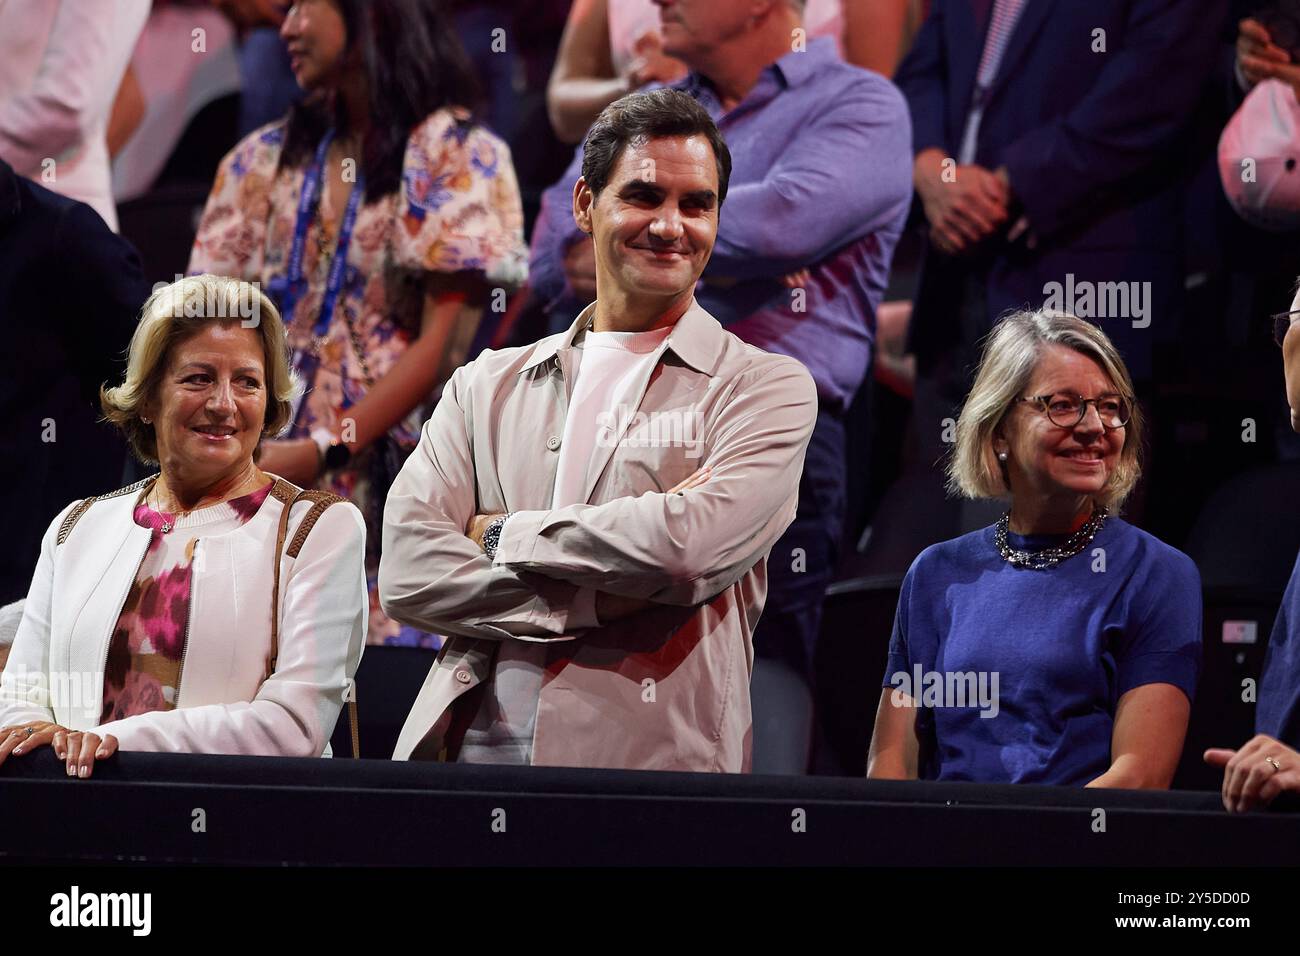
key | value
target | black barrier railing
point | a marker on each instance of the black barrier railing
(216, 809)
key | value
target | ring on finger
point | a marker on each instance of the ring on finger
(1272, 761)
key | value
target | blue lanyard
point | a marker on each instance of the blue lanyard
(288, 289)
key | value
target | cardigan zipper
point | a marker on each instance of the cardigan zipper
(185, 641)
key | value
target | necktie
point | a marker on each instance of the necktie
(1001, 25)
(1005, 15)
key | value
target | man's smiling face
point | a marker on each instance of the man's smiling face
(655, 222)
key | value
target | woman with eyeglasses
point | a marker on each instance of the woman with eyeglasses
(1061, 645)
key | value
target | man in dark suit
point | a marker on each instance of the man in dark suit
(69, 293)
(1047, 138)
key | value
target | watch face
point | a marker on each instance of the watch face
(337, 456)
(492, 536)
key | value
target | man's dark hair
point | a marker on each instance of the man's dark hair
(639, 117)
(414, 65)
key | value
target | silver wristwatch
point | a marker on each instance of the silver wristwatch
(492, 535)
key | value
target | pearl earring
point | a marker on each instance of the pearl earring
(147, 421)
(1002, 456)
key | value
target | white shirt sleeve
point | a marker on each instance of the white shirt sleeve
(77, 72)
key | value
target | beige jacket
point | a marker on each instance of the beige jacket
(664, 689)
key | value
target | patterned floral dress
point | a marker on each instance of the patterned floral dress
(458, 209)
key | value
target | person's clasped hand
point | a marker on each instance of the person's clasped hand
(78, 747)
(1256, 773)
(963, 204)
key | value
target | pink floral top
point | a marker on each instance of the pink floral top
(458, 209)
(143, 670)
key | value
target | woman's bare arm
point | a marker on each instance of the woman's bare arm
(583, 81)
(873, 33)
(894, 747)
(453, 305)
(1147, 740)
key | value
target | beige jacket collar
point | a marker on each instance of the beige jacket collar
(697, 339)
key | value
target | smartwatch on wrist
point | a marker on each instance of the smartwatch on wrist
(333, 452)
(492, 536)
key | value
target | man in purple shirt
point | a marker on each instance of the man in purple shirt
(820, 189)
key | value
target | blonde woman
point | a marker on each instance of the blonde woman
(213, 607)
(1061, 645)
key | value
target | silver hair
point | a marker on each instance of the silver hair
(1011, 354)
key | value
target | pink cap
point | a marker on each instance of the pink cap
(1266, 129)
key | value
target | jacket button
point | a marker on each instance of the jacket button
(553, 442)
(462, 675)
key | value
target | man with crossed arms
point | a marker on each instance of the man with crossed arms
(588, 518)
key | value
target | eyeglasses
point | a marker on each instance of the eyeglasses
(1282, 323)
(1066, 409)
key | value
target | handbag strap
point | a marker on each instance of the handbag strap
(290, 495)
